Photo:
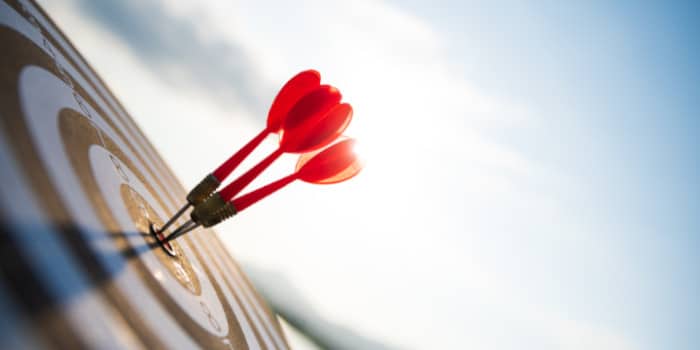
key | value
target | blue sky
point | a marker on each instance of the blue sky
(617, 87)
(532, 175)
(617, 82)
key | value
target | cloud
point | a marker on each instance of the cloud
(422, 122)
(183, 51)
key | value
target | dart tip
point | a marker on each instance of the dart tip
(185, 228)
(174, 218)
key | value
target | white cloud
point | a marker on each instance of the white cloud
(383, 246)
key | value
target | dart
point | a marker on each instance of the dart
(314, 134)
(313, 123)
(296, 88)
(334, 164)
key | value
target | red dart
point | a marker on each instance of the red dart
(331, 176)
(334, 164)
(296, 88)
(315, 121)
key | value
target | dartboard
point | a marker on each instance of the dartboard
(81, 187)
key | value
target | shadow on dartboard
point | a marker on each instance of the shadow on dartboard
(12, 260)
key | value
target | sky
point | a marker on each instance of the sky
(532, 167)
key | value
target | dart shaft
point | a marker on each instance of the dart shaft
(251, 198)
(229, 165)
(240, 183)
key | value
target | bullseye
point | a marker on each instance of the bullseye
(160, 238)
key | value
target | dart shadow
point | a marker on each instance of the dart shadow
(44, 267)
(133, 251)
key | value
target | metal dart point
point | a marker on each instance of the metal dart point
(185, 228)
(197, 195)
(174, 218)
(207, 214)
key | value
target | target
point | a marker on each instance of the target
(81, 188)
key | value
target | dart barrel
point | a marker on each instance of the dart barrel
(203, 190)
(212, 211)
